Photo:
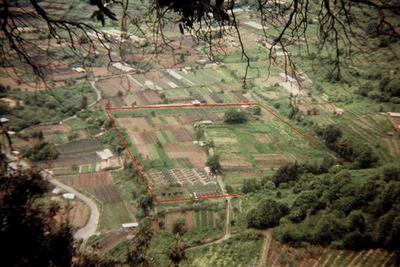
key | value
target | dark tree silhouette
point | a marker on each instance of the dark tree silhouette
(343, 27)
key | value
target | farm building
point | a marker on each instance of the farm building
(130, 225)
(108, 160)
(79, 69)
(69, 196)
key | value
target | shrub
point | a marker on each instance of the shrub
(266, 214)
(234, 116)
(391, 172)
(213, 164)
(286, 173)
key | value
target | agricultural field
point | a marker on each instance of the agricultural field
(280, 156)
(235, 251)
(280, 255)
(164, 142)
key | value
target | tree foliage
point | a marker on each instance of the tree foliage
(234, 116)
(266, 214)
(286, 173)
(214, 164)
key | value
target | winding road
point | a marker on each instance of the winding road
(91, 226)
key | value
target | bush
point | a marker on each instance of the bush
(234, 116)
(250, 185)
(213, 164)
(286, 173)
(391, 172)
(366, 158)
(266, 214)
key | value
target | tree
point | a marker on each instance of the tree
(199, 133)
(84, 102)
(266, 214)
(331, 134)
(145, 202)
(177, 253)
(250, 185)
(393, 87)
(137, 255)
(41, 151)
(179, 227)
(391, 172)
(29, 230)
(256, 110)
(286, 173)
(213, 164)
(366, 158)
(234, 116)
(341, 26)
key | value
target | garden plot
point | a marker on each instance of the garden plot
(111, 87)
(86, 181)
(269, 160)
(107, 193)
(78, 147)
(171, 217)
(74, 212)
(182, 183)
(189, 151)
(258, 146)
(180, 177)
(148, 97)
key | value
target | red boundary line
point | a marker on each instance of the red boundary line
(138, 166)
(136, 162)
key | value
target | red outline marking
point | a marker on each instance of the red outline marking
(137, 164)
(139, 167)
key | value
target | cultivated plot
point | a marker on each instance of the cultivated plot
(165, 145)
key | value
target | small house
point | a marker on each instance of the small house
(69, 196)
(130, 225)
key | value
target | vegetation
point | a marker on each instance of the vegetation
(334, 208)
(41, 151)
(234, 116)
(24, 216)
(213, 164)
(266, 214)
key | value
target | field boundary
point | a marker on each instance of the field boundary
(138, 165)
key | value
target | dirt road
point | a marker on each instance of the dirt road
(91, 226)
(262, 261)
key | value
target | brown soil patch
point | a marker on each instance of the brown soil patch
(107, 193)
(172, 121)
(269, 160)
(393, 144)
(110, 87)
(266, 115)
(50, 129)
(148, 97)
(182, 134)
(262, 138)
(100, 71)
(134, 124)
(170, 218)
(110, 241)
(64, 75)
(224, 140)
(231, 161)
(78, 212)
(158, 78)
(86, 181)
(189, 151)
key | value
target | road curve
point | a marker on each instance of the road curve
(91, 226)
